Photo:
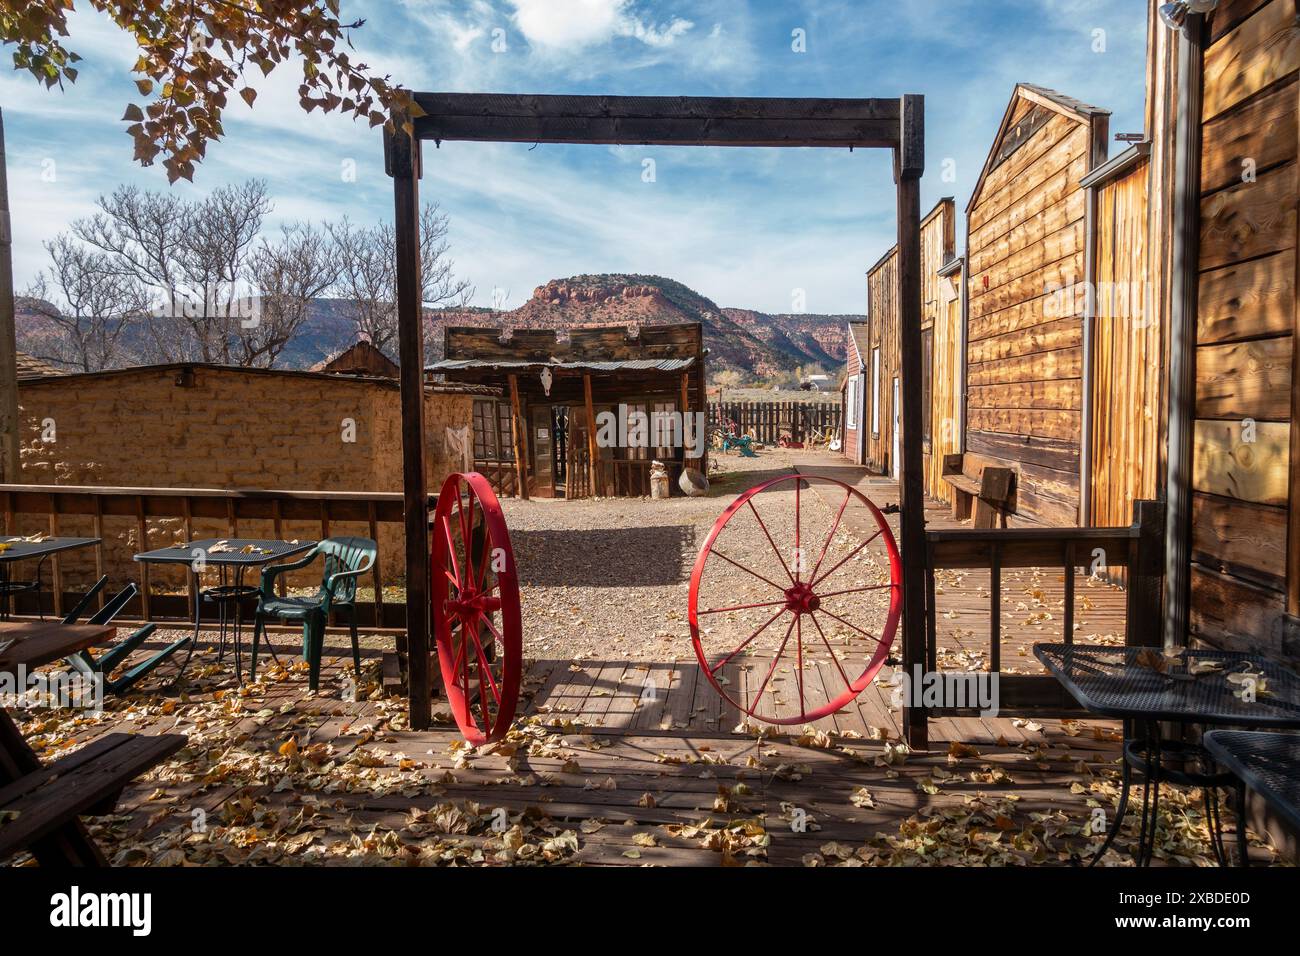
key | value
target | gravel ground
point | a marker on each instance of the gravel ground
(609, 579)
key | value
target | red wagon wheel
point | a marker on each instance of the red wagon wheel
(475, 598)
(795, 599)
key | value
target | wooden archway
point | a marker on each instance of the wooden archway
(893, 124)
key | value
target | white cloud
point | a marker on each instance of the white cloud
(575, 24)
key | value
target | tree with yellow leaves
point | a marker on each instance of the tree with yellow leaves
(195, 54)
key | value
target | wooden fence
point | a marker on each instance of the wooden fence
(769, 422)
(366, 512)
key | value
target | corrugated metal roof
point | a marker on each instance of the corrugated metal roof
(632, 365)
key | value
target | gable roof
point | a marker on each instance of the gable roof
(359, 358)
(1049, 102)
(859, 342)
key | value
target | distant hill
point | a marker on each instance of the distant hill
(755, 344)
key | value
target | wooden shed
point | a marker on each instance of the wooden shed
(644, 381)
(360, 358)
(1026, 261)
(941, 374)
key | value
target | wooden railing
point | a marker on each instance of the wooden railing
(1137, 549)
(325, 509)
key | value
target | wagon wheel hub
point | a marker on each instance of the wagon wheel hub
(470, 605)
(801, 600)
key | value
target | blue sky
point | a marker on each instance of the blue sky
(745, 227)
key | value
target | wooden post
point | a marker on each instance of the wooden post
(403, 155)
(686, 410)
(909, 164)
(9, 424)
(1182, 333)
(1145, 586)
(519, 437)
(593, 447)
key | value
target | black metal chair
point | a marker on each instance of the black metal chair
(93, 668)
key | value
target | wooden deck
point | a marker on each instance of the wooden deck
(283, 776)
(625, 763)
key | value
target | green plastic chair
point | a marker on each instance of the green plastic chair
(346, 559)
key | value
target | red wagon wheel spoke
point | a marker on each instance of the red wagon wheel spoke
(775, 549)
(853, 554)
(797, 514)
(798, 638)
(749, 570)
(743, 607)
(831, 651)
(835, 526)
(853, 626)
(873, 587)
(471, 596)
(737, 621)
(744, 644)
(772, 669)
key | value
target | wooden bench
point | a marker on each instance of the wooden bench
(989, 491)
(38, 808)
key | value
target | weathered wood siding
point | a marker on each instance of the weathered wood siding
(1128, 366)
(938, 317)
(1244, 578)
(882, 320)
(1027, 228)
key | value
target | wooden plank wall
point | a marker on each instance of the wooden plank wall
(1027, 225)
(882, 319)
(941, 314)
(1127, 366)
(1243, 579)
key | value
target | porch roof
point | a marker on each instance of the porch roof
(521, 365)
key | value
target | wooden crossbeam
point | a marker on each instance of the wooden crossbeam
(659, 120)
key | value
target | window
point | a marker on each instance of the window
(927, 381)
(492, 436)
(851, 403)
(485, 441)
(875, 392)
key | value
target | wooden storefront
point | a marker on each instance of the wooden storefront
(540, 438)
(941, 372)
(1026, 237)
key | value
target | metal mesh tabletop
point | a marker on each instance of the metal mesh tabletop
(18, 549)
(1112, 682)
(232, 552)
(1268, 764)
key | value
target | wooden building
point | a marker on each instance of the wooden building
(941, 355)
(360, 358)
(637, 386)
(1026, 259)
(1243, 521)
(854, 391)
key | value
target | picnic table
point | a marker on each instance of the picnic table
(231, 558)
(16, 548)
(40, 805)
(1144, 687)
